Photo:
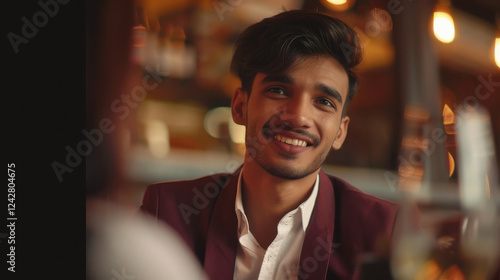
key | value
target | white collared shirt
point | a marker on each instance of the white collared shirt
(281, 259)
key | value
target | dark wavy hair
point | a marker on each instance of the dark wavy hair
(275, 43)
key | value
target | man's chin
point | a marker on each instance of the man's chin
(287, 172)
(287, 166)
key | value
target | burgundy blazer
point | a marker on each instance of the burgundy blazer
(345, 223)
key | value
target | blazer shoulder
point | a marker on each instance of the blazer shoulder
(363, 217)
(180, 192)
(186, 206)
(372, 212)
(349, 192)
(182, 186)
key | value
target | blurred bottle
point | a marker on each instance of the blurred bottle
(478, 184)
(139, 36)
(412, 245)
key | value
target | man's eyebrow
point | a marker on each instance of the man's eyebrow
(286, 79)
(330, 91)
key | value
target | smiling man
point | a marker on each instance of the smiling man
(279, 216)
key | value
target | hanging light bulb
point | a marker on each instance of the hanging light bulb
(497, 42)
(443, 25)
(337, 2)
(338, 5)
(497, 50)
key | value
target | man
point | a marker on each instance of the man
(279, 216)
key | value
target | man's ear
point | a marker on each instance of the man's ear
(341, 134)
(239, 106)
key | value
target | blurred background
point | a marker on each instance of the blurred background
(436, 55)
(424, 129)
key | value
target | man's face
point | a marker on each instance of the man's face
(293, 120)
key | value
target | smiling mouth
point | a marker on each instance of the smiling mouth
(291, 141)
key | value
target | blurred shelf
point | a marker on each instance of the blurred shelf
(189, 164)
(179, 165)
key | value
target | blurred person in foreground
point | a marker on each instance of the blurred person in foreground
(120, 243)
(279, 216)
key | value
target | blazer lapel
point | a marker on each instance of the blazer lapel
(222, 238)
(316, 250)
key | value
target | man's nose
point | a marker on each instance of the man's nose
(298, 111)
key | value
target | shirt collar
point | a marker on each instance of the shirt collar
(240, 212)
(306, 207)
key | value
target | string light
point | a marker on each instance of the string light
(337, 2)
(443, 24)
(497, 51)
(338, 5)
(497, 42)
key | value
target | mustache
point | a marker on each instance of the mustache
(270, 128)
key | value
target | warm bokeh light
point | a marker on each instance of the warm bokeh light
(448, 120)
(448, 115)
(453, 272)
(236, 132)
(337, 2)
(430, 270)
(157, 137)
(451, 164)
(338, 5)
(219, 124)
(216, 122)
(444, 27)
(497, 51)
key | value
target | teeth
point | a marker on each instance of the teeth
(290, 141)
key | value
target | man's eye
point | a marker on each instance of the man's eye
(277, 90)
(326, 102)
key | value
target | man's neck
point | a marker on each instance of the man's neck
(266, 199)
